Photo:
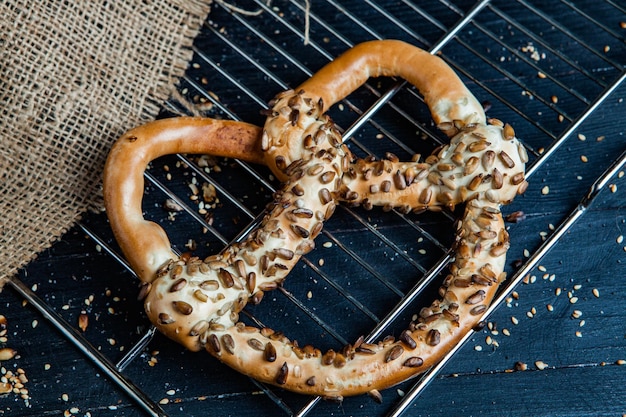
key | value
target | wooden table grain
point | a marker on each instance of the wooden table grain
(556, 347)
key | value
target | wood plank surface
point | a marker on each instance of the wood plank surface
(557, 347)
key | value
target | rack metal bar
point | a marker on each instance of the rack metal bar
(619, 7)
(398, 23)
(315, 18)
(590, 18)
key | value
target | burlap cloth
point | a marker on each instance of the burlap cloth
(74, 75)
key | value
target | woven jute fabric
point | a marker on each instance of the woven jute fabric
(74, 75)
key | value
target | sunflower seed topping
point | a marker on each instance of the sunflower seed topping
(413, 362)
(394, 353)
(283, 373)
(269, 352)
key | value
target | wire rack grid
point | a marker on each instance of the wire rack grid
(372, 270)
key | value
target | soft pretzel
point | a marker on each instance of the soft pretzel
(197, 302)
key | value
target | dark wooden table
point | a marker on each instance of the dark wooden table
(555, 347)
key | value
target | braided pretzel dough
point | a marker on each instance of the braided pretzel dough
(197, 302)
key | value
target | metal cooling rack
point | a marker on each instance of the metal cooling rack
(505, 51)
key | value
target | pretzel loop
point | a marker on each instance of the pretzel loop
(197, 302)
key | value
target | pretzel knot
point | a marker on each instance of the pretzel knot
(197, 302)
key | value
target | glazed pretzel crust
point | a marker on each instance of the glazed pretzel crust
(197, 302)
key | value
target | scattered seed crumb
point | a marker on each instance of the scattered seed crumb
(573, 300)
(520, 366)
(47, 367)
(550, 307)
(579, 334)
(620, 362)
(545, 190)
(584, 158)
(83, 321)
(164, 401)
(170, 392)
(582, 137)
(328, 244)
(506, 332)
(478, 348)
(321, 262)
(34, 323)
(541, 365)
(577, 314)
(309, 295)
(596, 293)
(607, 48)
(65, 397)
(514, 320)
